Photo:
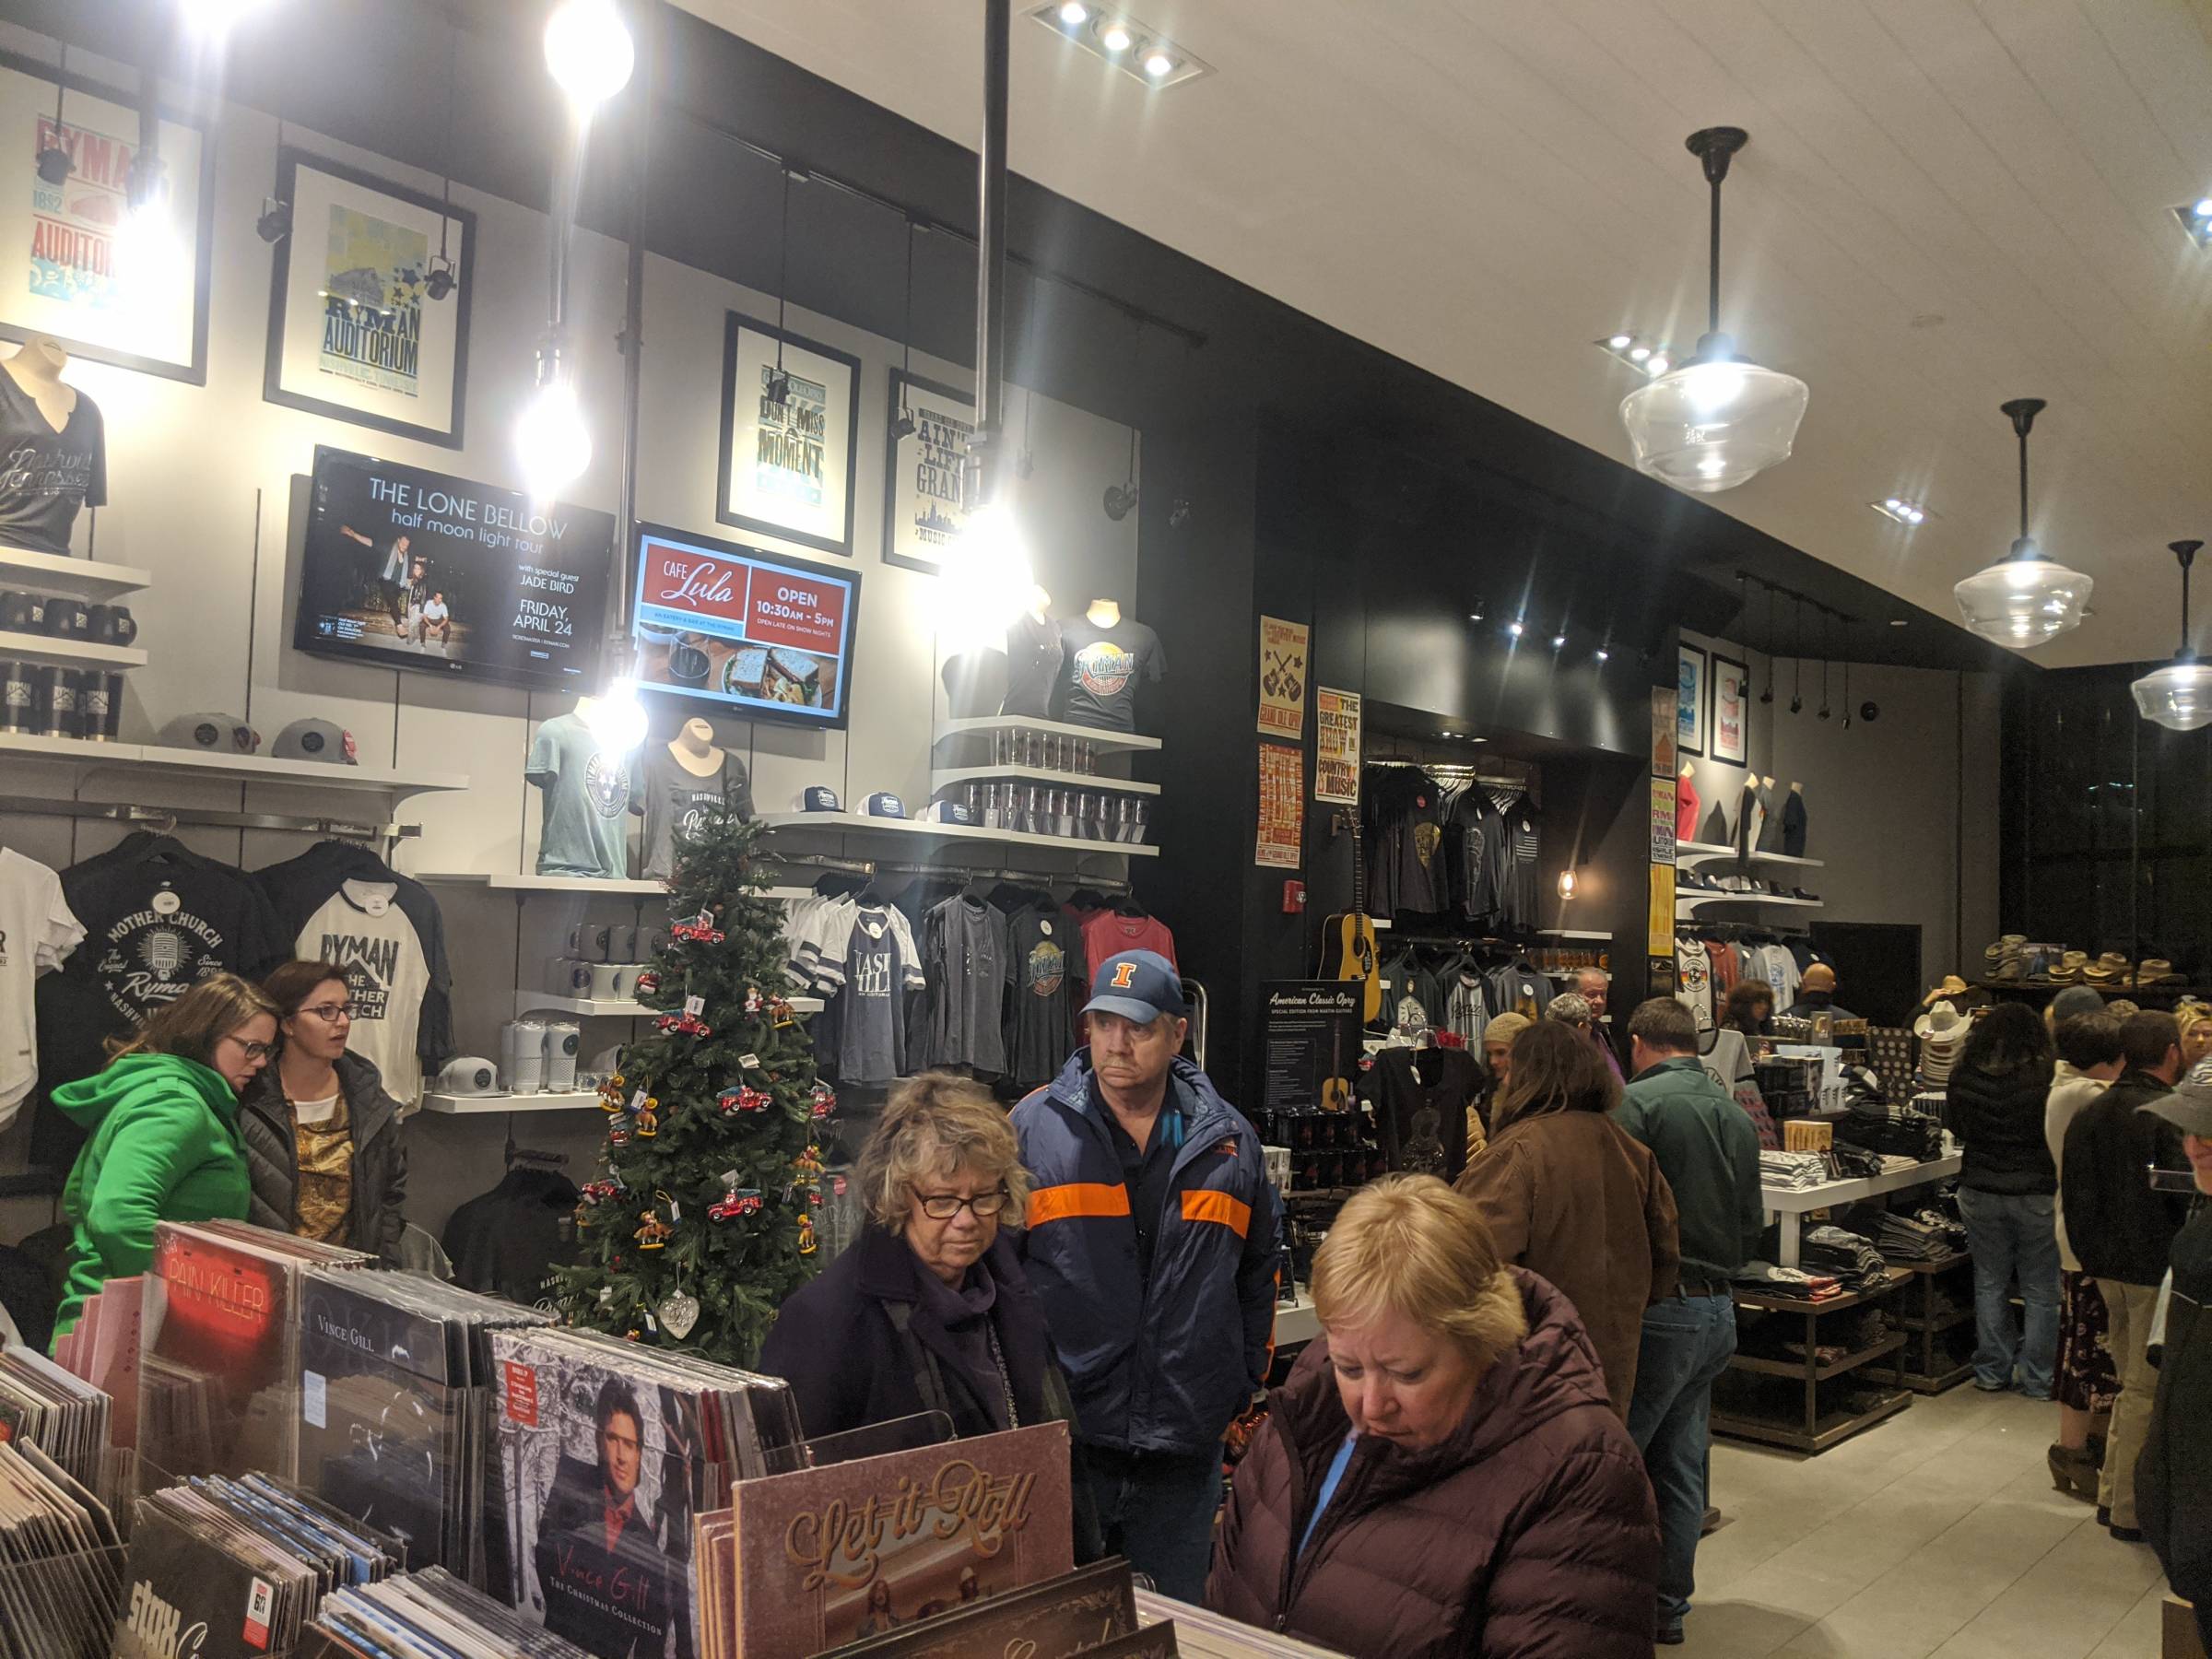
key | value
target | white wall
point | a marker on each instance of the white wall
(1883, 805)
(206, 488)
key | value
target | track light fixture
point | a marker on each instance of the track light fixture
(1717, 420)
(904, 426)
(1824, 708)
(2023, 598)
(275, 221)
(53, 163)
(1121, 498)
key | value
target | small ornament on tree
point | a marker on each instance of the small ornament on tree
(821, 1101)
(696, 930)
(754, 1001)
(744, 1098)
(611, 1094)
(654, 1234)
(807, 1245)
(647, 983)
(736, 1201)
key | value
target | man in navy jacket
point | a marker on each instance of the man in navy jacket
(1153, 1239)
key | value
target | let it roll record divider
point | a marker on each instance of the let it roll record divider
(407, 568)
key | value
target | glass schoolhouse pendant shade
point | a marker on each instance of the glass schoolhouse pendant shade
(2023, 598)
(2179, 696)
(1714, 422)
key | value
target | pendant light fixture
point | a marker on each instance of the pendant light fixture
(1825, 712)
(1717, 420)
(2179, 696)
(1798, 666)
(2023, 598)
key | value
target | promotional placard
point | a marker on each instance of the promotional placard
(411, 569)
(1309, 1030)
(1282, 808)
(1283, 650)
(787, 462)
(1663, 820)
(1336, 745)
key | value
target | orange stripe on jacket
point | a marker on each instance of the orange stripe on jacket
(1077, 1198)
(1201, 1204)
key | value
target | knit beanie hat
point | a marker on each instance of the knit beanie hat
(2076, 999)
(1506, 1027)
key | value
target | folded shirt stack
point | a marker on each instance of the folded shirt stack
(1788, 1281)
(1792, 1171)
(1850, 1258)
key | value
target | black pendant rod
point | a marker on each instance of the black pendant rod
(2185, 552)
(2023, 411)
(1715, 147)
(991, 256)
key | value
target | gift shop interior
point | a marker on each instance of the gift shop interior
(612, 612)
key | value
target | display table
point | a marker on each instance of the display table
(1792, 1205)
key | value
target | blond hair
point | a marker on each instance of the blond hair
(1409, 1245)
(932, 1125)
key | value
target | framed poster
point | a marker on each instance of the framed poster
(1336, 745)
(787, 468)
(353, 331)
(1689, 702)
(926, 479)
(1663, 820)
(1731, 709)
(1283, 648)
(76, 262)
(1663, 730)
(1282, 835)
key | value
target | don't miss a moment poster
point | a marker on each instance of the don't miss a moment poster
(413, 569)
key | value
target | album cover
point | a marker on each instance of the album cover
(217, 1366)
(828, 1556)
(1057, 1618)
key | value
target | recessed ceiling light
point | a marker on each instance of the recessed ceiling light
(1603, 655)
(1639, 351)
(1074, 13)
(1158, 66)
(2203, 208)
(1897, 622)
(1621, 342)
(1115, 37)
(2195, 220)
(1901, 510)
(1637, 354)
(1659, 363)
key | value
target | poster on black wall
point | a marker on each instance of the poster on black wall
(412, 568)
(1310, 1032)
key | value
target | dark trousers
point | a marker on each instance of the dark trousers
(1686, 1342)
(1158, 1510)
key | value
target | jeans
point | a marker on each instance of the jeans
(2013, 1233)
(1157, 1509)
(2129, 1310)
(1686, 1342)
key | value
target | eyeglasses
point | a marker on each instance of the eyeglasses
(331, 1013)
(252, 1050)
(944, 1206)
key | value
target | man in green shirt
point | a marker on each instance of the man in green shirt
(1707, 1148)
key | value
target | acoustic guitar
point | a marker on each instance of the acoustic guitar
(1347, 938)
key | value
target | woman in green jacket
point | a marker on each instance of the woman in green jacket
(163, 1120)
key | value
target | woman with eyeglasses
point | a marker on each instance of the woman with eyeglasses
(162, 1117)
(928, 1310)
(322, 1137)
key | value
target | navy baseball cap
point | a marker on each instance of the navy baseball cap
(1139, 985)
(817, 797)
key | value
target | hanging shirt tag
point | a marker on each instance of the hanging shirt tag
(637, 1101)
(166, 903)
(751, 1062)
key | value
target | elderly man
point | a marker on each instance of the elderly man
(1595, 985)
(1153, 1241)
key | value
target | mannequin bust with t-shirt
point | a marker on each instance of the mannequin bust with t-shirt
(1106, 655)
(1687, 803)
(585, 789)
(53, 449)
(676, 782)
(1033, 659)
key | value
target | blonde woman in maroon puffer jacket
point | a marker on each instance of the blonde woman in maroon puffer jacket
(1442, 1475)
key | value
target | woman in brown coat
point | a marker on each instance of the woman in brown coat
(1441, 1477)
(1571, 1195)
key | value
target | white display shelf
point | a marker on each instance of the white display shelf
(1699, 852)
(619, 1008)
(151, 758)
(1590, 934)
(515, 882)
(1791, 1204)
(1296, 1322)
(85, 579)
(1690, 903)
(74, 654)
(908, 830)
(1105, 743)
(453, 1105)
(1038, 774)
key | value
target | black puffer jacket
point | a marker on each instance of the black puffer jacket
(1999, 1117)
(2173, 1478)
(380, 1157)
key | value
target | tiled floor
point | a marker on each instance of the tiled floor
(1936, 1533)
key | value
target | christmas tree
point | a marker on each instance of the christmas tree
(701, 1222)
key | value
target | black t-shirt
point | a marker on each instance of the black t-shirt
(1033, 664)
(1146, 1170)
(1052, 979)
(1103, 666)
(158, 920)
(46, 475)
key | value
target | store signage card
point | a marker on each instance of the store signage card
(1283, 660)
(407, 568)
(827, 1556)
(743, 631)
(1310, 1028)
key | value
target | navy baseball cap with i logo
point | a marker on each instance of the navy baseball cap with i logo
(1139, 985)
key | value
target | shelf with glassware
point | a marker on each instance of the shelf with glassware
(794, 829)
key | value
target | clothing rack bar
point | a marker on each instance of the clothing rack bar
(127, 812)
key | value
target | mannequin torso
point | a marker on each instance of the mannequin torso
(36, 369)
(1105, 613)
(694, 750)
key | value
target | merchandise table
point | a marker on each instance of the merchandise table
(1792, 1205)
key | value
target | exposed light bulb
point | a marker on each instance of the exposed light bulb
(1603, 655)
(1567, 884)
(1115, 37)
(1711, 387)
(552, 445)
(617, 717)
(1513, 629)
(1160, 65)
(588, 50)
(1074, 13)
(983, 583)
(214, 19)
(1559, 642)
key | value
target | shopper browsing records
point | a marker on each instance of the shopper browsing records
(2008, 1194)
(164, 1142)
(2089, 1058)
(1442, 1473)
(322, 1137)
(2124, 1232)
(1569, 1196)
(1153, 1240)
(1596, 987)
(1817, 995)
(1708, 1150)
(1750, 1007)
(2173, 1478)
(929, 1309)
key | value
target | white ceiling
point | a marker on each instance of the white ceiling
(1944, 205)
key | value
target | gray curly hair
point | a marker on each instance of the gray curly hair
(1569, 1008)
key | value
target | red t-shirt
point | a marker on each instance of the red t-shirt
(1105, 935)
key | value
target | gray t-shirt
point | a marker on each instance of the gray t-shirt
(972, 970)
(584, 831)
(670, 796)
(46, 475)
(872, 1029)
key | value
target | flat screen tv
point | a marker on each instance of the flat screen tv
(411, 569)
(744, 633)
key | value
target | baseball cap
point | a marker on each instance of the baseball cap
(313, 739)
(218, 732)
(945, 812)
(1136, 985)
(884, 804)
(2189, 1107)
(819, 797)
